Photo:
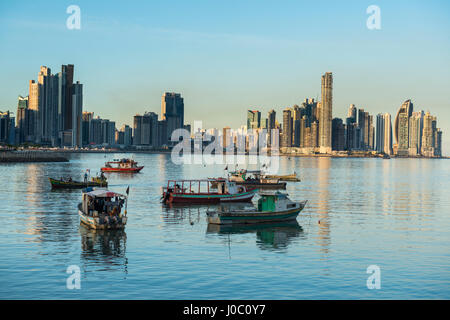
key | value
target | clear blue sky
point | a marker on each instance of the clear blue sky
(225, 57)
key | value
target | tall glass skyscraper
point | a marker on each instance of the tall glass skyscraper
(325, 113)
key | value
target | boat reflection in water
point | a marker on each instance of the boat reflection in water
(179, 213)
(273, 236)
(104, 247)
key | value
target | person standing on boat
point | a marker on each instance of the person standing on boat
(85, 177)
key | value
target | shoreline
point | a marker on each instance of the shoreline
(30, 156)
(48, 155)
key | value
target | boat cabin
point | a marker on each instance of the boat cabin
(102, 202)
(275, 201)
(202, 187)
(243, 175)
(121, 163)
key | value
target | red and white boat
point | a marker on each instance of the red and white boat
(199, 191)
(121, 165)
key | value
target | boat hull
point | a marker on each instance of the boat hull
(96, 222)
(125, 170)
(237, 217)
(290, 177)
(210, 198)
(266, 186)
(58, 184)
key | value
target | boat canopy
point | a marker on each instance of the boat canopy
(274, 193)
(103, 193)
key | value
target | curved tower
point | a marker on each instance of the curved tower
(401, 127)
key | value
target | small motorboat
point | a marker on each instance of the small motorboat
(199, 191)
(255, 179)
(287, 177)
(71, 184)
(102, 209)
(272, 207)
(122, 165)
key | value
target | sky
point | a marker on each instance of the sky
(226, 57)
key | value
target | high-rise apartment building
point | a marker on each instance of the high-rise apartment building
(287, 128)
(67, 72)
(384, 134)
(401, 128)
(145, 129)
(172, 111)
(24, 121)
(253, 119)
(77, 112)
(338, 135)
(415, 133)
(325, 113)
(427, 136)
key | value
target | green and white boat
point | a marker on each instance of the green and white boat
(272, 207)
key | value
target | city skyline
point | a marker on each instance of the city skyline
(52, 115)
(225, 64)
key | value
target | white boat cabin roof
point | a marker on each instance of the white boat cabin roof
(273, 193)
(103, 193)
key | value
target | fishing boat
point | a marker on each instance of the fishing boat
(122, 165)
(102, 209)
(272, 207)
(287, 177)
(199, 191)
(255, 179)
(71, 184)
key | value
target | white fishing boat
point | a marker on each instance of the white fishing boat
(102, 209)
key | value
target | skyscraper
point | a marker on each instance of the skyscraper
(427, 136)
(352, 140)
(387, 144)
(352, 112)
(296, 116)
(33, 105)
(271, 124)
(146, 129)
(85, 126)
(172, 111)
(77, 112)
(7, 128)
(67, 72)
(401, 128)
(287, 128)
(384, 134)
(338, 134)
(415, 133)
(95, 131)
(253, 119)
(379, 140)
(23, 121)
(325, 113)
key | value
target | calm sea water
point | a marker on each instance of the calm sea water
(391, 213)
